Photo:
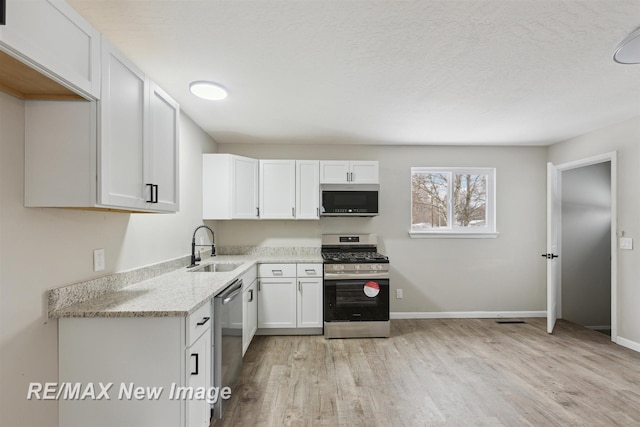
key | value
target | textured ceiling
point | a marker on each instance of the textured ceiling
(513, 72)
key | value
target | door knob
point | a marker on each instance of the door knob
(550, 256)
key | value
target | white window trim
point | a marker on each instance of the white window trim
(489, 232)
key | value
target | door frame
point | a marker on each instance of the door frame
(602, 158)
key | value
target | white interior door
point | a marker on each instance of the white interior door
(553, 223)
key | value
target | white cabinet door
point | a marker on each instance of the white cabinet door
(252, 318)
(334, 172)
(277, 302)
(277, 189)
(244, 187)
(122, 137)
(364, 172)
(307, 189)
(309, 302)
(163, 171)
(198, 376)
(53, 38)
(249, 315)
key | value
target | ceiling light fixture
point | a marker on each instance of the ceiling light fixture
(208, 90)
(629, 50)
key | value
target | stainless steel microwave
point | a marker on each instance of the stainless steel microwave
(349, 200)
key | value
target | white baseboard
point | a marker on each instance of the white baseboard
(628, 343)
(466, 314)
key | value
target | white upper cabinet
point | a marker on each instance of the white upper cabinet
(229, 187)
(117, 153)
(307, 189)
(277, 189)
(51, 37)
(348, 172)
(289, 189)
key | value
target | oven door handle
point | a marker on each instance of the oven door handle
(365, 275)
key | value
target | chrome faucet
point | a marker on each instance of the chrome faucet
(194, 259)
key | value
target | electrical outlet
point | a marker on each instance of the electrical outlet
(98, 260)
(626, 243)
(399, 294)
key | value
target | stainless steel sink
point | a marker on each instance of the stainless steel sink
(216, 267)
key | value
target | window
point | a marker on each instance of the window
(453, 202)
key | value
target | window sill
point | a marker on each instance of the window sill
(453, 235)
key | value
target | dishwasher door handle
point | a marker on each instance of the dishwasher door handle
(231, 297)
(232, 291)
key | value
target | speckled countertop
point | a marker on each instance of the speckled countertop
(174, 294)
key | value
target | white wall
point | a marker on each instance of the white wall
(47, 248)
(586, 245)
(625, 138)
(437, 275)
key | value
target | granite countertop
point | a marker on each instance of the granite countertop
(174, 294)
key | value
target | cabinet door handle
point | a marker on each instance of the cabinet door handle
(153, 193)
(250, 295)
(310, 271)
(277, 272)
(259, 287)
(347, 176)
(317, 211)
(197, 363)
(150, 200)
(351, 177)
(299, 286)
(293, 212)
(204, 320)
(257, 211)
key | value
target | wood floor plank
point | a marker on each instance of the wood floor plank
(440, 372)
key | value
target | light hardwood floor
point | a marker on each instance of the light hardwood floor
(440, 372)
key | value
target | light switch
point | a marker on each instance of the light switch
(98, 260)
(626, 243)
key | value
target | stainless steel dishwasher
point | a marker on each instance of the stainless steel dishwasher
(227, 341)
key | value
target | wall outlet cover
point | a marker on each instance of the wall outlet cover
(626, 243)
(98, 260)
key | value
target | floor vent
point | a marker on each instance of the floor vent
(510, 321)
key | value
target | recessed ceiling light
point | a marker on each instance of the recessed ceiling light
(629, 50)
(208, 90)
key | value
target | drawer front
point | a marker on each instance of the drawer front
(277, 270)
(309, 270)
(199, 322)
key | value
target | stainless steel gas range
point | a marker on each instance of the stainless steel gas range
(356, 287)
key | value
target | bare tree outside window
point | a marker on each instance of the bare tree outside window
(430, 193)
(470, 200)
(451, 199)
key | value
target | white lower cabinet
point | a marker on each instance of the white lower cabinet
(147, 363)
(309, 300)
(249, 307)
(289, 300)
